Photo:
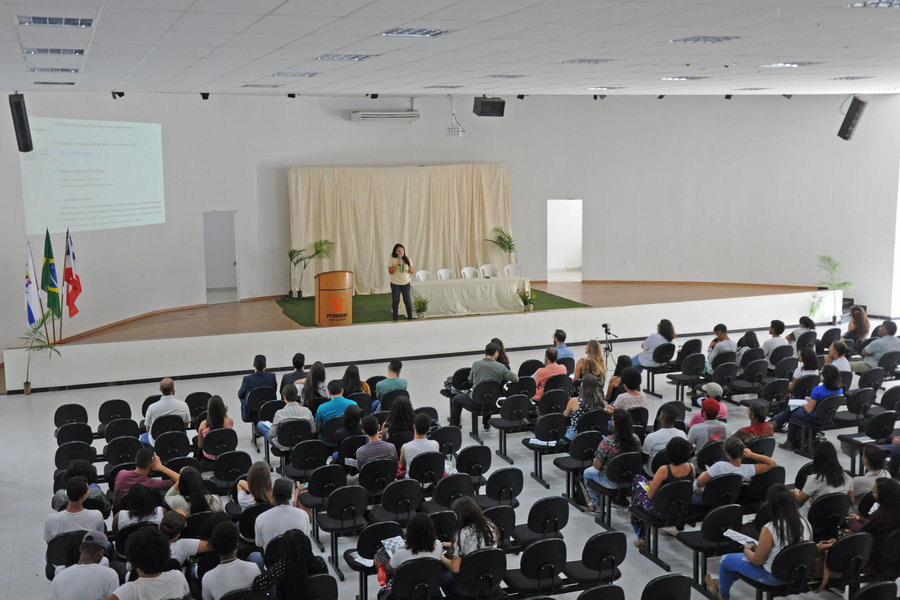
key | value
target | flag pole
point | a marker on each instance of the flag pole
(40, 302)
(62, 287)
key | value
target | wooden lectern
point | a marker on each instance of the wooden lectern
(334, 298)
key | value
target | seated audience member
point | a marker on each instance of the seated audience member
(488, 368)
(420, 442)
(257, 488)
(351, 383)
(806, 325)
(759, 426)
(298, 374)
(809, 365)
(231, 574)
(776, 328)
(257, 379)
(334, 408)
(711, 429)
(633, 396)
(550, 368)
(75, 516)
(839, 356)
(721, 343)
(873, 351)
(140, 505)
(827, 477)
(502, 358)
(665, 333)
(658, 440)
(289, 574)
(712, 390)
(858, 329)
(621, 440)
(148, 551)
(831, 385)
(216, 418)
(474, 532)
(735, 452)
(292, 410)
(375, 448)
(81, 468)
(593, 363)
(313, 388)
(283, 515)
(559, 342)
(181, 549)
(189, 495)
(874, 460)
(168, 404)
(744, 343)
(615, 386)
(87, 579)
(392, 382)
(421, 542)
(400, 418)
(590, 398)
(146, 460)
(884, 520)
(755, 561)
(352, 419)
(679, 468)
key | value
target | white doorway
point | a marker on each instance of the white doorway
(220, 249)
(564, 240)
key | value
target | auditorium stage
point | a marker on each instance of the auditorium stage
(223, 338)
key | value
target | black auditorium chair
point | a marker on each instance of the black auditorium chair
(662, 354)
(600, 559)
(548, 438)
(513, 419)
(366, 546)
(668, 587)
(791, 565)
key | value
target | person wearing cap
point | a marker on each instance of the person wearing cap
(148, 551)
(712, 390)
(735, 453)
(709, 430)
(283, 515)
(231, 573)
(721, 343)
(75, 516)
(87, 579)
(181, 549)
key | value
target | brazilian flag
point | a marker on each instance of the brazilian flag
(49, 281)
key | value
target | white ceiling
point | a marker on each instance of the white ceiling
(220, 46)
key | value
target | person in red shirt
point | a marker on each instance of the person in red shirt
(758, 427)
(145, 461)
(550, 368)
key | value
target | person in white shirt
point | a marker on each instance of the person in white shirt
(231, 574)
(168, 404)
(735, 451)
(292, 410)
(148, 551)
(420, 442)
(421, 542)
(838, 355)
(656, 442)
(721, 343)
(87, 579)
(180, 549)
(665, 333)
(873, 350)
(75, 517)
(282, 516)
(776, 328)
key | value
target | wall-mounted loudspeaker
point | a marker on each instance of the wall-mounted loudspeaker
(851, 118)
(20, 122)
(489, 107)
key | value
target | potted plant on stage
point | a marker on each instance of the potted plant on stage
(320, 249)
(36, 341)
(420, 305)
(505, 241)
(831, 267)
(527, 297)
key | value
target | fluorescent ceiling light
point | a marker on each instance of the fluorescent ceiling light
(417, 33)
(54, 83)
(442, 87)
(262, 85)
(787, 65)
(502, 76)
(56, 21)
(60, 51)
(705, 39)
(291, 74)
(876, 4)
(681, 78)
(850, 78)
(751, 89)
(585, 61)
(52, 70)
(346, 57)
(605, 88)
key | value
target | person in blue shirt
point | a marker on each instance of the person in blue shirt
(559, 340)
(258, 378)
(831, 384)
(334, 407)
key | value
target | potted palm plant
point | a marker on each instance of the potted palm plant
(527, 297)
(831, 267)
(36, 341)
(304, 256)
(505, 241)
(420, 305)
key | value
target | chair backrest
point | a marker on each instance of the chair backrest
(402, 496)
(349, 445)
(444, 524)
(759, 484)
(882, 590)
(399, 438)
(165, 424)
(474, 460)
(559, 382)
(347, 503)
(69, 451)
(780, 353)
(259, 396)
(719, 520)
(724, 357)
(830, 336)
(292, 432)
(553, 400)
(548, 515)
(489, 270)
(453, 487)
(872, 378)
(639, 415)
(543, 561)
(504, 485)
(308, 455)
(663, 353)
(881, 426)
(269, 408)
(827, 512)
(426, 468)
(762, 445)
(111, 410)
(514, 270)
(74, 432)
(722, 490)
(70, 413)
(230, 466)
(122, 450)
(750, 355)
(387, 400)
(197, 402)
(196, 523)
(849, 555)
(329, 428)
(593, 420)
(121, 541)
(585, 445)
(423, 275)
(449, 439)
(370, 537)
(755, 371)
(121, 428)
(486, 393)
(624, 466)
(784, 368)
(482, 572)
(172, 444)
(827, 407)
(445, 274)
(672, 500)
(247, 594)
(525, 385)
(373, 381)
(375, 475)
(515, 407)
(711, 453)
(604, 551)
(793, 563)
(890, 397)
(693, 364)
(602, 592)
(418, 579)
(802, 474)
(321, 587)
(804, 386)
(859, 401)
(668, 587)
(148, 401)
(775, 390)
(551, 427)
(569, 363)
(659, 460)
(363, 400)
(504, 517)
(806, 340)
(324, 480)
(469, 273)
(725, 373)
(247, 520)
(530, 367)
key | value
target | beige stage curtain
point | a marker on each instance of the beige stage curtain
(441, 214)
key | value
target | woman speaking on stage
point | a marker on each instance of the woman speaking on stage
(400, 269)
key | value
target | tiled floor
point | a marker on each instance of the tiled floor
(27, 448)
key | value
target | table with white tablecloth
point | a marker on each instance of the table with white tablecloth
(471, 296)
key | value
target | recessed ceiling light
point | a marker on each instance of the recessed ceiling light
(418, 33)
(52, 70)
(56, 21)
(681, 78)
(876, 4)
(705, 39)
(585, 61)
(751, 89)
(502, 76)
(262, 85)
(787, 65)
(346, 57)
(605, 88)
(61, 51)
(54, 83)
(850, 78)
(442, 87)
(293, 74)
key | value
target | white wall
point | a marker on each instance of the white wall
(683, 189)
(564, 225)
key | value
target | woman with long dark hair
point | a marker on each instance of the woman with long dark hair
(474, 532)
(257, 487)
(621, 440)
(313, 387)
(400, 418)
(880, 523)
(832, 383)
(744, 343)
(665, 333)
(809, 365)
(216, 418)
(290, 574)
(590, 398)
(786, 527)
(858, 329)
(400, 268)
(827, 477)
(351, 383)
(502, 358)
(140, 505)
(189, 494)
(806, 325)
(616, 386)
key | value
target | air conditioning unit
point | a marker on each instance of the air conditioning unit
(386, 115)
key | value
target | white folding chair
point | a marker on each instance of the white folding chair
(514, 270)
(424, 275)
(444, 274)
(489, 271)
(469, 273)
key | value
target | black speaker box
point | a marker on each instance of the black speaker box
(851, 118)
(489, 107)
(20, 122)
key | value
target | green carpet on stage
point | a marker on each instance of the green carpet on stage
(376, 308)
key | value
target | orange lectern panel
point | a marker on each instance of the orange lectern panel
(334, 298)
